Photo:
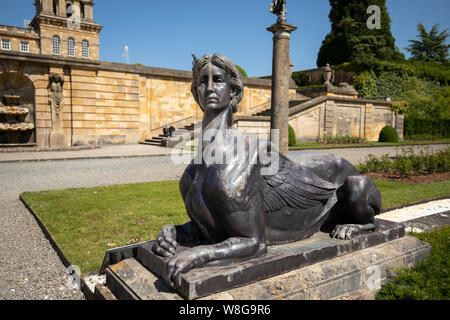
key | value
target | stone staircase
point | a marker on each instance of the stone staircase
(163, 141)
(264, 110)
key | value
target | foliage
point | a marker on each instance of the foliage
(409, 162)
(416, 97)
(432, 45)
(339, 139)
(438, 128)
(350, 38)
(428, 71)
(292, 137)
(399, 107)
(241, 71)
(388, 134)
(429, 279)
(300, 79)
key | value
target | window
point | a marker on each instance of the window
(6, 44)
(55, 7)
(24, 46)
(56, 45)
(85, 49)
(71, 47)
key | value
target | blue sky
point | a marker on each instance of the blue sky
(165, 33)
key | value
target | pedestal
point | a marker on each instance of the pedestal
(315, 268)
(280, 81)
(57, 136)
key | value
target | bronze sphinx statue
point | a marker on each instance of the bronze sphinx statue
(235, 210)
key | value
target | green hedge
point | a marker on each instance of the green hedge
(292, 137)
(437, 128)
(435, 72)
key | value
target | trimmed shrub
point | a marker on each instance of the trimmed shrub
(388, 134)
(292, 137)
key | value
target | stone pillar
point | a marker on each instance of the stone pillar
(89, 11)
(57, 135)
(280, 81)
(62, 8)
(47, 6)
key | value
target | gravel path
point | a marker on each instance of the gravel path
(29, 267)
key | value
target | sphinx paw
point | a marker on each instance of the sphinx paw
(346, 231)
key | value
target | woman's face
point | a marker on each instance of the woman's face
(213, 88)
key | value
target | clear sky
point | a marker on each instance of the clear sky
(164, 33)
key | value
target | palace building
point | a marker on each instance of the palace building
(56, 92)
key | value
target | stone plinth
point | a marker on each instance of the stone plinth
(316, 268)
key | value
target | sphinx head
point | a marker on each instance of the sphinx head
(216, 83)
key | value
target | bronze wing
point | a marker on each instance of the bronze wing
(295, 187)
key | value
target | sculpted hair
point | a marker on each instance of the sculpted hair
(225, 64)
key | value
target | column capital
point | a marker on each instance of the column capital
(282, 29)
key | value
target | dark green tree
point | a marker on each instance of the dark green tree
(432, 45)
(351, 39)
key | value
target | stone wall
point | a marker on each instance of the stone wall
(112, 103)
(332, 116)
(16, 35)
(48, 31)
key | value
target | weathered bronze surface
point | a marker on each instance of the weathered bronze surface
(235, 210)
(278, 7)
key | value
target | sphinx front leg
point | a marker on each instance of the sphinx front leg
(348, 231)
(232, 248)
(361, 201)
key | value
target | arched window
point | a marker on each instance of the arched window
(85, 48)
(56, 45)
(69, 10)
(71, 47)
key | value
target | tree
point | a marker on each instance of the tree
(241, 71)
(432, 45)
(351, 39)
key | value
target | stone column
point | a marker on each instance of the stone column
(280, 81)
(89, 11)
(62, 8)
(47, 6)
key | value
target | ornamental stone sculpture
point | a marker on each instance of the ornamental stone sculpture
(56, 100)
(236, 211)
(56, 91)
(278, 7)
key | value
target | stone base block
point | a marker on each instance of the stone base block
(316, 268)
(358, 274)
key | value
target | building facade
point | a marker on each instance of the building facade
(55, 91)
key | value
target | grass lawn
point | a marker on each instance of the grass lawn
(313, 145)
(86, 222)
(429, 279)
